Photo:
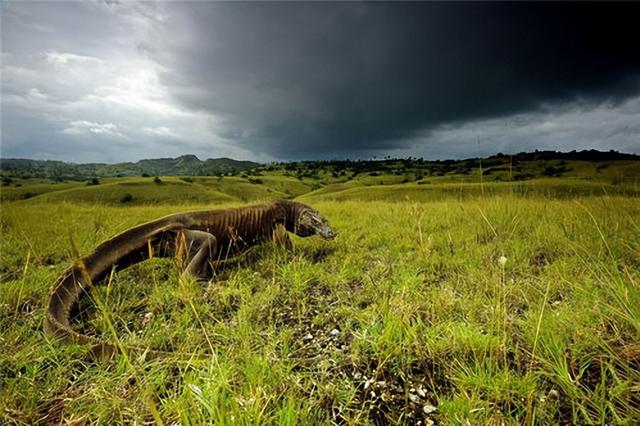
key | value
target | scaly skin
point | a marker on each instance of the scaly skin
(199, 238)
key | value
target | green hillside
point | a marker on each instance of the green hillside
(185, 165)
(165, 189)
(385, 180)
(564, 188)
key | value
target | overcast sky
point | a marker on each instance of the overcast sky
(110, 81)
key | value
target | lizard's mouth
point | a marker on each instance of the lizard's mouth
(328, 234)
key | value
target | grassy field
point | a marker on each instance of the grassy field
(449, 302)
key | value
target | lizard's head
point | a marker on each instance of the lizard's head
(311, 222)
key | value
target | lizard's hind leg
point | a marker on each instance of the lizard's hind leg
(199, 249)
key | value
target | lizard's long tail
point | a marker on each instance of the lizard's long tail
(122, 251)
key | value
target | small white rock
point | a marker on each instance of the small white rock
(428, 409)
(308, 336)
(335, 332)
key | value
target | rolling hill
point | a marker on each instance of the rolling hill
(186, 165)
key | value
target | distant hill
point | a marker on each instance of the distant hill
(184, 179)
(521, 166)
(186, 165)
(585, 155)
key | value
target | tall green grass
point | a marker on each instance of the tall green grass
(410, 315)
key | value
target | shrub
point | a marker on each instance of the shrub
(126, 198)
(554, 171)
(157, 180)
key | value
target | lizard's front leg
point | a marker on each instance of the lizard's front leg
(199, 249)
(280, 237)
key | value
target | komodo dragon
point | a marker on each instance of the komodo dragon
(199, 237)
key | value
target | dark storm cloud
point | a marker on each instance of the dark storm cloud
(311, 79)
(114, 81)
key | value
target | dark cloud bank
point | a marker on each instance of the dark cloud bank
(300, 80)
(121, 81)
